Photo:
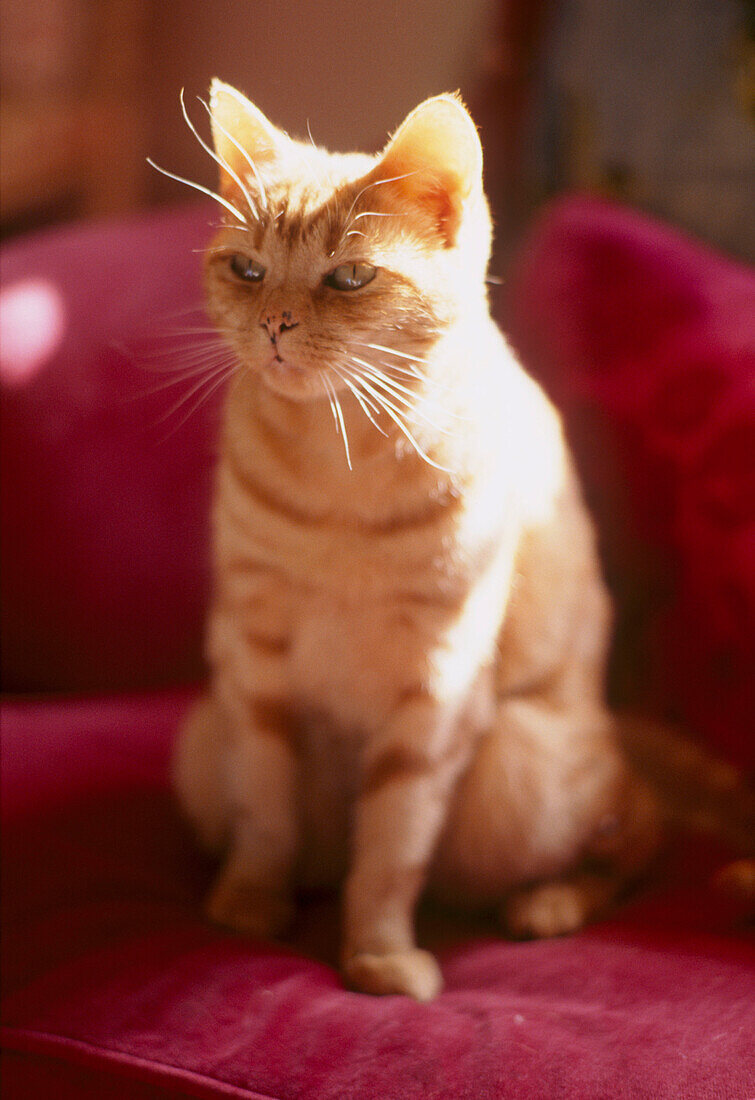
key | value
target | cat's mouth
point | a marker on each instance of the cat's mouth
(283, 368)
(287, 377)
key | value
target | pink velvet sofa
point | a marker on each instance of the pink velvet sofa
(113, 983)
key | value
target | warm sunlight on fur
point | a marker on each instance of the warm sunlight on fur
(409, 625)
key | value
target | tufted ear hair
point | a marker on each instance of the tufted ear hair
(243, 138)
(434, 161)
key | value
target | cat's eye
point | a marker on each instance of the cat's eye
(243, 267)
(350, 276)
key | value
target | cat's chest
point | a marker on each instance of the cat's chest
(352, 534)
(351, 657)
(357, 613)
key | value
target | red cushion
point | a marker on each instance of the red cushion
(104, 498)
(646, 340)
(115, 986)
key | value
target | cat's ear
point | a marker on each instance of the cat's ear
(244, 139)
(435, 159)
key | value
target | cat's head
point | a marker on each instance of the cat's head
(330, 270)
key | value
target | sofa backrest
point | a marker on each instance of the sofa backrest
(105, 492)
(646, 341)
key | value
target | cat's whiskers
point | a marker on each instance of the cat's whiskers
(348, 220)
(203, 372)
(337, 411)
(245, 155)
(181, 375)
(212, 379)
(329, 395)
(407, 370)
(409, 409)
(375, 370)
(393, 370)
(414, 407)
(198, 308)
(396, 415)
(205, 191)
(221, 162)
(364, 402)
(211, 250)
(175, 355)
(377, 214)
(394, 351)
(188, 344)
(405, 403)
(224, 224)
(197, 330)
(211, 329)
(203, 398)
(176, 349)
(318, 179)
(201, 354)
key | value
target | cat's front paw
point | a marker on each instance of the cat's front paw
(413, 972)
(248, 907)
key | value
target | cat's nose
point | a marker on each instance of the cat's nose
(275, 324)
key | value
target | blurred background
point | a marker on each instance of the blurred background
(649, 102)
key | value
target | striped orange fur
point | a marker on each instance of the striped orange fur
(409, 625)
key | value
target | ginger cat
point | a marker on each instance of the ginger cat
(409, 626)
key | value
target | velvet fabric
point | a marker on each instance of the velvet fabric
(113, 984)
(646, 341)
(105, 495)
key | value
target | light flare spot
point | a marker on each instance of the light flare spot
(32, 326)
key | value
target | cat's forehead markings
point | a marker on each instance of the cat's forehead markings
(315, 194)
(298, 214)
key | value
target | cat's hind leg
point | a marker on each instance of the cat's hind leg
(549, 824)
(618, 847)
(557, 907)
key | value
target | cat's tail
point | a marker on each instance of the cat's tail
(699, 793)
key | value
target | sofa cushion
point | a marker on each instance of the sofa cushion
(116, 987)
